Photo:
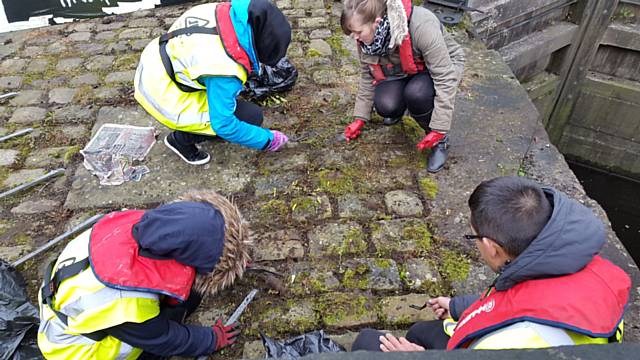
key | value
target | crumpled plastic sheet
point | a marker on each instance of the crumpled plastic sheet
(112, 151)
(18, 317)
(296, 347)
(113, 169)
(279, 78)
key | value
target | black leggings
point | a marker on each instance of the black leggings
(428, 334)
(245, 111)
(416, 93)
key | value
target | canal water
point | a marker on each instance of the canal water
(620, 198)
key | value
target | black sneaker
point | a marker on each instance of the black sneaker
(438, 156)
(189, 153)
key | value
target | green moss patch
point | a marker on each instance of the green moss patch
(455, 267)
(272, 210)
(353, 243)
(429, 188)
(419, 234)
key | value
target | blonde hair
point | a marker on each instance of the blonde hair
(235, 253)
(368, 10)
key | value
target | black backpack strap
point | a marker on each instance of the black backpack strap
(51, 284)
(166, 60)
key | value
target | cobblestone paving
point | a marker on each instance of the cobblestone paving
(358, 231)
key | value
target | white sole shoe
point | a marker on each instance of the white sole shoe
(197, 162)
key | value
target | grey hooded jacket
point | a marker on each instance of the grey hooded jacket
(569, 241)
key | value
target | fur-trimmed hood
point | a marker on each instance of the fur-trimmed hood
(203, 230)
(235, 252)
(398, 22)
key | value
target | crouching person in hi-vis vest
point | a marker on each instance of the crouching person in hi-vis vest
(124, 287)
(552, 287)
(409, 62)
(189, 78)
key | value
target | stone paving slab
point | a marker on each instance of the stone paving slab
(229, 171)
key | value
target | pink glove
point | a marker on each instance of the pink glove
(430, 140)
(279, 139)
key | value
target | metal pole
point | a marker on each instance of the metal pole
(236, 314)
(8, 95)
(42, 178)
(15, 134)
(84, 225)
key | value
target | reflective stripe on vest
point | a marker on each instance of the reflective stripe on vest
(90, 306)
(192, 56)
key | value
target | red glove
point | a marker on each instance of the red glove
(225, 335)
(430, 140)
(352, 130)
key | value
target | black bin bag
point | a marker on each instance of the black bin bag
(18, 317)
(296, 347)
(279, 78)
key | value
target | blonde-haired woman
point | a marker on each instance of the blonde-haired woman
(409, 63)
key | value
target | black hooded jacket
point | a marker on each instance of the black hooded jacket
(271, 31)
(191, 233)
(567, 243)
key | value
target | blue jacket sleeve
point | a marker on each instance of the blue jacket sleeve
(221, 96)
(163, 337)
(459, 304)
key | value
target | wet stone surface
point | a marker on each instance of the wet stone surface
(420, 274)
(8, 157)
(336, 239)
(371, 274)
(35, 207)
(403, 203)
(396, 310)
(279, 245)
(19, 177)
(402, 235)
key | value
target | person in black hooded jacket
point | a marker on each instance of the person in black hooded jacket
(189, 79)
(552, 287)
(124, 288)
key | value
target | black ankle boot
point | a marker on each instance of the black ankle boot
(388, 121)
(438, 156)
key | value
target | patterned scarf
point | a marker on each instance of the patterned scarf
(380, 44)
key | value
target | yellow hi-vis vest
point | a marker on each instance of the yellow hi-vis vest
(530, 335)
(191, 55)
(89, 307)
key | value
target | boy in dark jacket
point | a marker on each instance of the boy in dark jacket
(125, 286)
(552, 287)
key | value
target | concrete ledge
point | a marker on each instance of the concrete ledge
(538, 45)
(507, 13)
(587, 352)
(622, 35)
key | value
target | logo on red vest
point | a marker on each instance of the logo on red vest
(485, 307)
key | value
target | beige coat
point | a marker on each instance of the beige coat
(443, 57)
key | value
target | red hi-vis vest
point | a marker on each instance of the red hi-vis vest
(229, 37)
(409, 65)
(590, 302)
(115, 258)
